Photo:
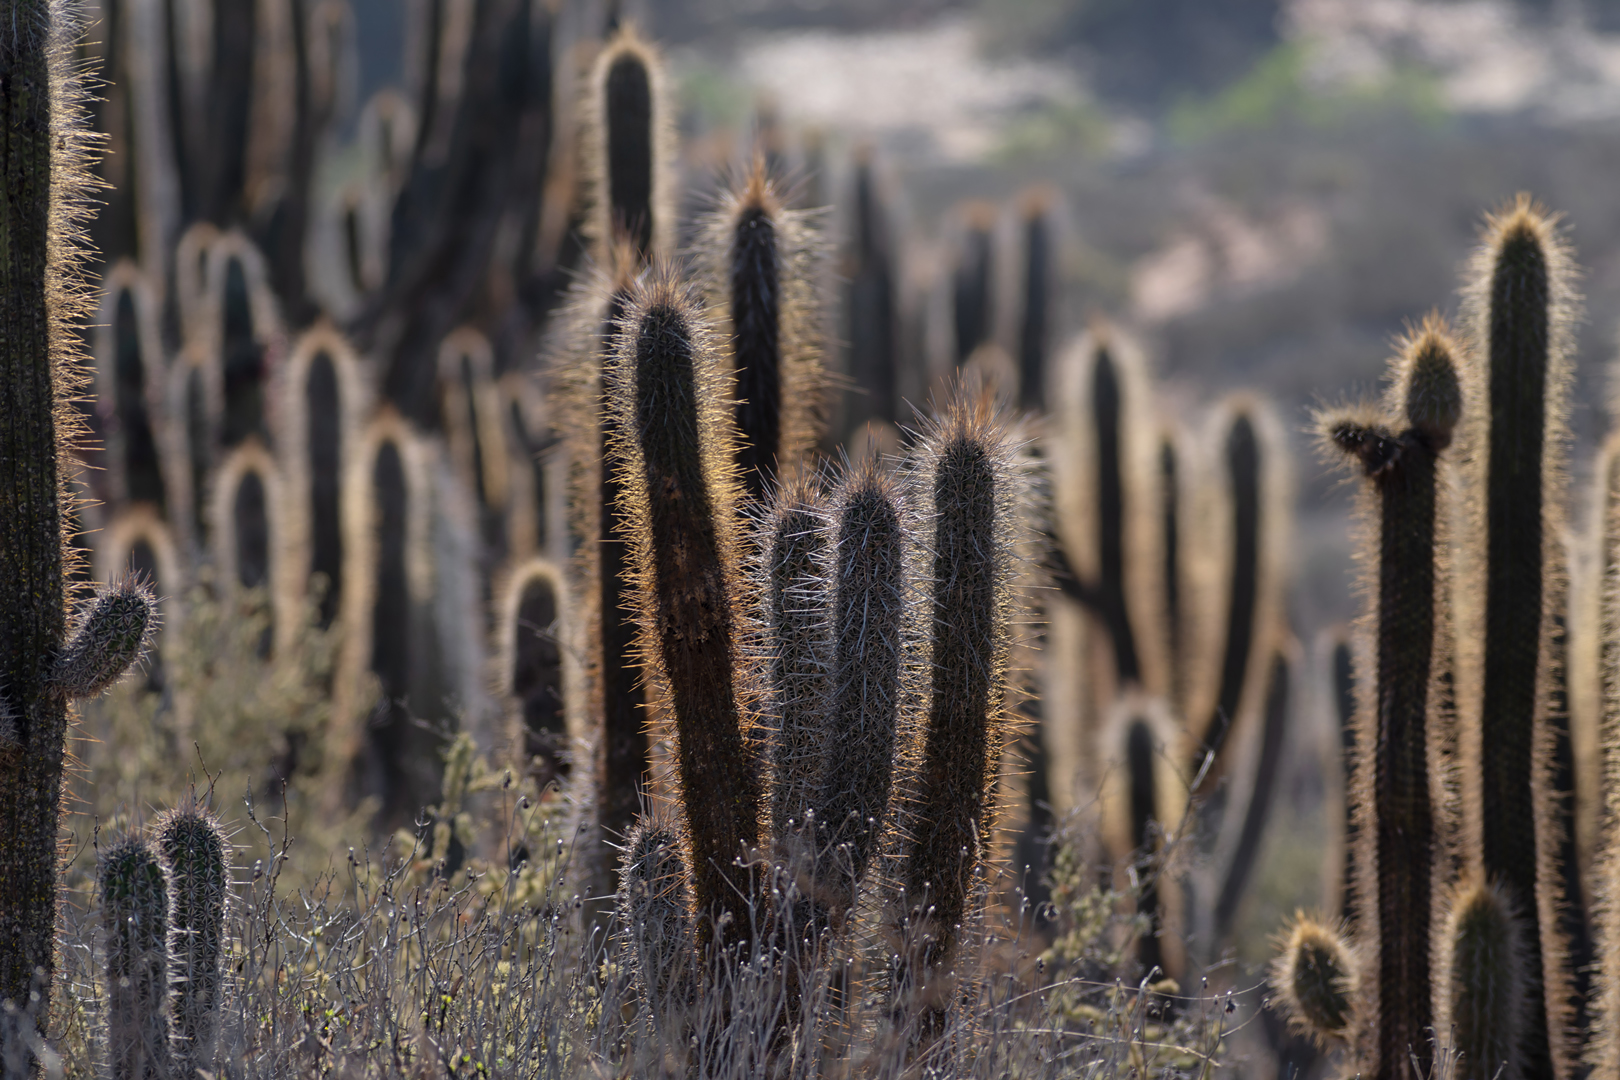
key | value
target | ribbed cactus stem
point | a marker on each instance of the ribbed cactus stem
(1395, 813)
(197, 853)
(135, 909)
(41, 157)
(656, 918)
(870, 603)
(964, 474)
(793, 552)
(755, 293)
(674, 447)
(1315, 980)
(1487, 982)
(1521, 306)
(110, 635)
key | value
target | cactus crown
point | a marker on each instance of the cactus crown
(110, 635)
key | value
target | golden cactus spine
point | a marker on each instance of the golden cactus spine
(1521, 304)
(673, 446)
(968, 483)
(1399, 715)
(762, 262)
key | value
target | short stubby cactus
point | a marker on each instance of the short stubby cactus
(1483, 1005)
(111, 634)
(655, 915)
(135, 909)
(197, 853)
(1315, 979)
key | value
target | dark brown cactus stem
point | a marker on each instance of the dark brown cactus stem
(1521, 305)
(793, 553)
(872, 538)
(870, 305)
(965, 477)
(973, 281)
(672, 446)
(1035, 318)
(42, 161)
(1395, 812)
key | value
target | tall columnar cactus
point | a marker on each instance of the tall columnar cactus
(1398, 450)
(324, 398)
(973, 292)
(1604, 1051)
(1483, 1001)
(628, 154)
(762, 268)
(1035, 318)
(1521, 304)
(870, 304)
(42, 156)
(792, 556)
(136, 901)
(616, 696)
(673, 446)
(1246, 516)
(196, 852)
(969, 486)
(872, 540)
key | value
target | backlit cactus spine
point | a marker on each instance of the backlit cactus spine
(196, 852)
(968, 484)
(1399, 712)
(674, 446)
(41, 301)
(1482, 1002)
(135, 890)
(762, 264)
(1521, 304)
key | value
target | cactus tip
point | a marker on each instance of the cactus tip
(1432, 390)
(111, 635)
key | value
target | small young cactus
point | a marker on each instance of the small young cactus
(110, 636)
(1484, 1000)
(135, 908)
(967, 481)
(655, 914)
(196, 852)
(673, 447)
(1315, 980)
(1395, 809)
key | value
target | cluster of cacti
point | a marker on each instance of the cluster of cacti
(1466, 894)
(333, 407)
(163, 898)
(1180, 690)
